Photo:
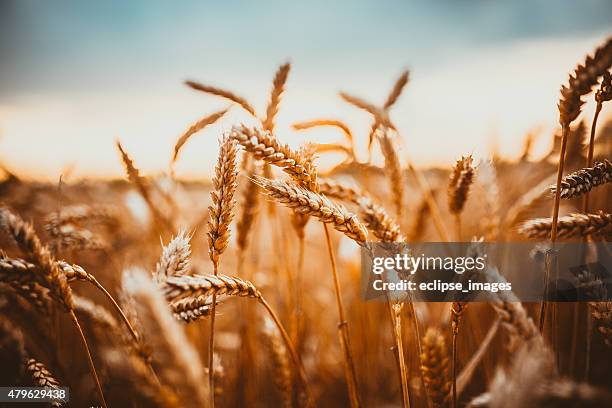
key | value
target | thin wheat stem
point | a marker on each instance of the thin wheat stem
(585, 209)
(589, 162)
(92, 367)
(297, 322)
(454, 369)
(211, 341)
(351, 377)
(431, 202)
(458, 226)
(98, 285)
(553, 233)
(294, 355)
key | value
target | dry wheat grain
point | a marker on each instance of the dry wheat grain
(175, 258)
(315, 205)
(264, 145)
(584, 180)
(572, 225)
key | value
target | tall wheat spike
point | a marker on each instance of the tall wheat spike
(221, 214)
(280, 78)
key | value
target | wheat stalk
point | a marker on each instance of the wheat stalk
(570, 104)
(394, 171)
(74, 238)
(572, 225)
(434, 367)
(419, 222)
(50, 275)
(191, 297)
(223, 94)
(76, 214)
(602, 313)
(515, 320)
(175, 359)
(379, 222)
(585, 76)
(307, 202)
(584, 180)
(280, 359)
(457, 311)
(249, 209)
(280, 78)
(338, 191)
(178, 287)
(221, 213)
(195, 128)
(346, 131)
(264, 145)
(143, 188)
(175, 259)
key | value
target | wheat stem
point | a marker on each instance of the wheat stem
(92, 367)
(343, 330)
(553, 232)
(211, 341)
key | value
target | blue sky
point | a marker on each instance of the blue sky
(78, 74)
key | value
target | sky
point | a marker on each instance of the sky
(77, 75)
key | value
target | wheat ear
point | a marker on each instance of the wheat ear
(189, 294)
(263, 145)
(307, 202)
(278, 87)
(193, 129)
(346, 131)
(572, 225)
(42, 377)
(570, 104)
(143, 188)
(393, 169)
(434, 367)
(221, 214)
(459, 184)
(584, 180)
(223, 94)
(175, 258)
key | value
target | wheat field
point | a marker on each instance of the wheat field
(244, 290)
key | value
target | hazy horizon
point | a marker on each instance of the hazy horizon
(77, 75)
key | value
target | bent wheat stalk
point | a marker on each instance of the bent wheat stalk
(193, 129)
(570, 105)
(198, 290)
(50, 276)
(221, 214)
(572, 225)
(223, 94)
